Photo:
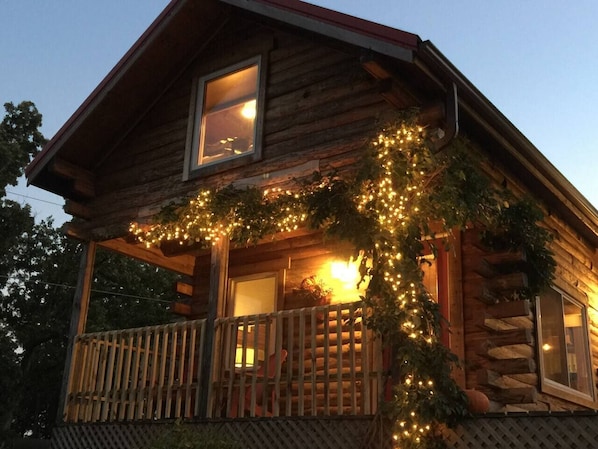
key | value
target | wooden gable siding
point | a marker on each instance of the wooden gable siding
(501, 353)
(320, 106)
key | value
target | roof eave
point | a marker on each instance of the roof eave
(343, 27)
(100, 92)
(563, 193)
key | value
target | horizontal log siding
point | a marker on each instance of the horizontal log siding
(576, 274)
(320, 105)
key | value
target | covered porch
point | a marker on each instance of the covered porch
(316, 361)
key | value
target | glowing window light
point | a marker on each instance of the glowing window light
(249, 357)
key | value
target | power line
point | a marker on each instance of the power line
(104, 292)
(10, 192)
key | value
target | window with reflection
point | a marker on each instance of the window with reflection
(564, 344)
(225, 125)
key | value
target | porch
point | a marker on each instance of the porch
(318, 361)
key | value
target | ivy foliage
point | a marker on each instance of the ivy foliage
(403, 192)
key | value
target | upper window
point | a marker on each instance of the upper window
(564, 346)
(226, 115)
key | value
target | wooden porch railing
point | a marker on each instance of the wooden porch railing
(317, 361)
(304, 362)
(135, 374)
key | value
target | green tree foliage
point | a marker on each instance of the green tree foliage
(127, 293)
(37, 310)
(20, 140)
(38, 274)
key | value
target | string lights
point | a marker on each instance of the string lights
(400, 191)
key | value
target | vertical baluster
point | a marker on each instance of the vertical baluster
(353, 360)
(154, 375)
(366, 393)
(229, 360)
(326, 343)
(144, 396)
(339, 360)
(277, 323)
(90, 380)
(171, 371)
(191, 372)
(108, 392)
(135, 351)
(125, 385)
(98, 384)
(313, 350)
(301, 377)
(182, 370)
(162, 373)
(82, 343)
(290, 319)
(202, 336)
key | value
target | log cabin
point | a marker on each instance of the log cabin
(264, 93)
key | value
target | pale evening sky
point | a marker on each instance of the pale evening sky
(535, 60)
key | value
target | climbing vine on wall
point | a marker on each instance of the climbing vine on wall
(403, 193)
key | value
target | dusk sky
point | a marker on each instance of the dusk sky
(536, 61)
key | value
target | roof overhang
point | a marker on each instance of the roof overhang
(521, 156)
(127, 92)
(179, 33)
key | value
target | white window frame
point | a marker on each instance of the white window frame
(192, 166)
(555, 388)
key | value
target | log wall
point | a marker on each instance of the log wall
(501, 354)
(320, 106)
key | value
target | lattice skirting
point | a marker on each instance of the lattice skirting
(555, 431)
(264, 433)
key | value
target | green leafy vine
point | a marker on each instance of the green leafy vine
(403, 192)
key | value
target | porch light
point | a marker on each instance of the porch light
(348, 272)
(249, 357)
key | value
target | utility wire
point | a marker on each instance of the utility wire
(105, 292)
(32, 198)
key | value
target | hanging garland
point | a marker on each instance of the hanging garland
(401, 193)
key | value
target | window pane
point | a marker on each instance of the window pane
(577, 357)
(228, 120)
(555, 367)
(563, 334)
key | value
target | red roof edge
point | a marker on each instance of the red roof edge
(348, 22)
(333, 19)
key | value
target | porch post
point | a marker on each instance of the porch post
(216, 306)
(78, 318)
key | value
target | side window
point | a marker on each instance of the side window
(226, 118)
(565, 365)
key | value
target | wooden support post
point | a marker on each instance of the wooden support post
(216, 305)
(78, 318)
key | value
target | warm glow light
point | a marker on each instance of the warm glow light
(348, 272)
(546, 347)
(249, 110)
(249, 357)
